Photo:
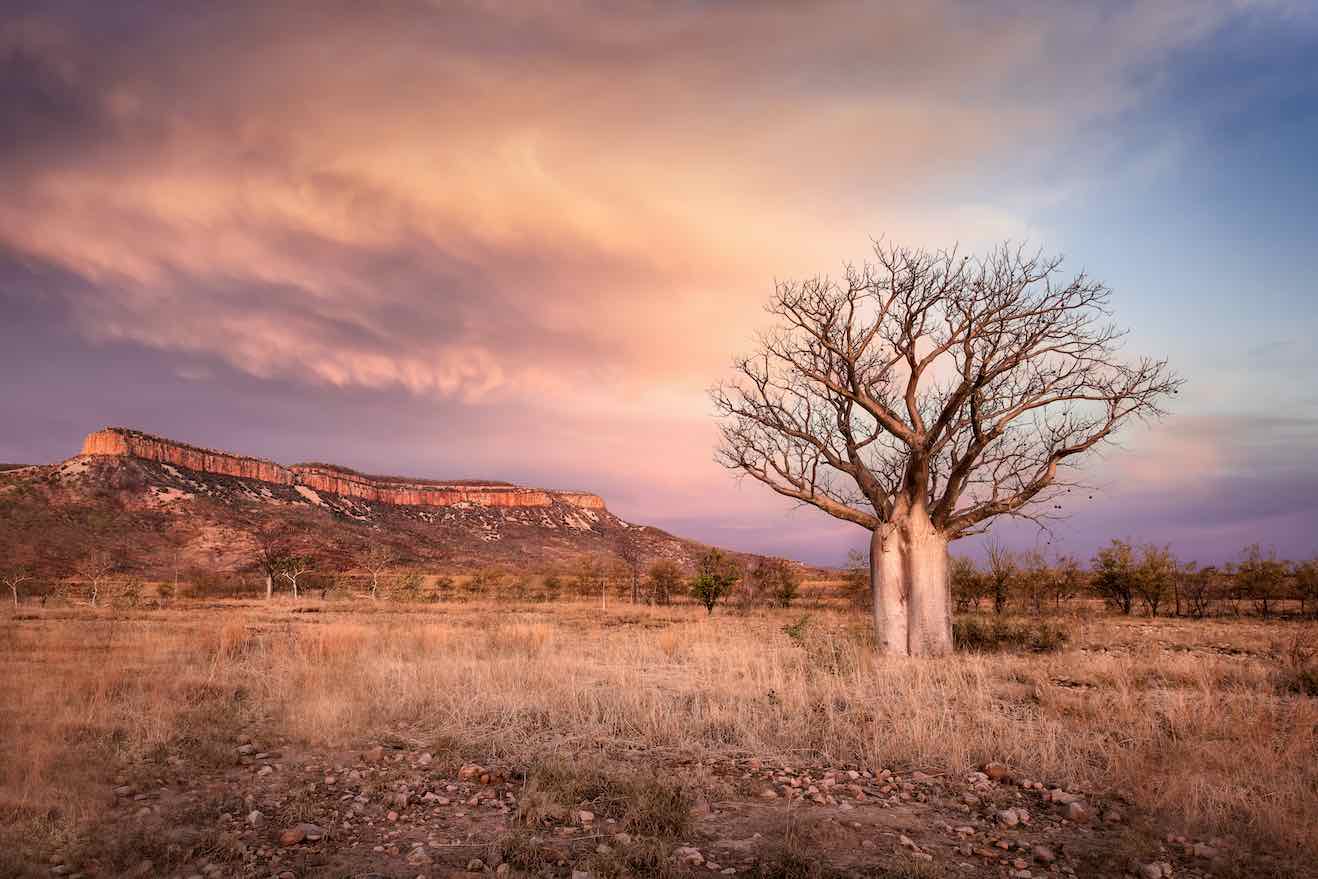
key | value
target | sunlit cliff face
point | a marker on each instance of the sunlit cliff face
(566, 214)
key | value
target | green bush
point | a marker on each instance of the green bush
(976, 635)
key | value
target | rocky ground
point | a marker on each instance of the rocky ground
(398, 811)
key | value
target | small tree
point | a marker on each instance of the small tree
(1034, 581)
(1306, 584)
(774, 579)
(1260, 578)
(1154, 576)
(716, 574)
(293, 568)
(1068, 579)
(856, 584)
(376, 559)
(631, 551)
(663, 581)
(1114, 575)
(273, 553)
(1001, 576)
(95, 569)
(967, 584)
(1199, 587)
(15, 578)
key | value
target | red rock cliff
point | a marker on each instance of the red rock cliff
(325, 478)
(131, 443)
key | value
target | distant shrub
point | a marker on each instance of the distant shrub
(976, 635)
(409, 586)
(663, 580)
(444, 586)
(553, 585)
(210, 584)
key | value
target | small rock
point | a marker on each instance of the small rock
(688, 855)
(374, 755)
(997, 771)
(1008, 818)
(585, 817)
(907, 842)
(475, 865)
(254, 817)
(1112, 816)
(1077, 813)
(264, 770)
(292, 836)
(1043, 854)
(392, 816)
(1203, 850)
(247, 749)
(425, 759)
(580, 874)
(502, 870)
(1151, 871)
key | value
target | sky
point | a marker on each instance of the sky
(520, 240)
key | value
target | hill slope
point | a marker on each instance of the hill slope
(162, 505)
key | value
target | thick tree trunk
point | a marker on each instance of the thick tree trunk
(909, 574)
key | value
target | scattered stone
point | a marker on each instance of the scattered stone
(1043, 854)
(292, 836)
(1203, 850)
(580, 874)
(585, 817)
(246, 750)
(475, 865)
(997, 771)
(689, 856)
(1008, 818)
(1077, 813)
(254, 817)
(374, 755)
(1112, 816)
(425, 759)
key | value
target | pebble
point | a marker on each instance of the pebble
(1077, 813)
(475, 865)
(1043, 854)
(689, 856)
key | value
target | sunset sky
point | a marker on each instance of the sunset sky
(520, 240)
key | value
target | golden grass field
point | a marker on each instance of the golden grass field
(1182, 721)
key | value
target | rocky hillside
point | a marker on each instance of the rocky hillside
(163, 505)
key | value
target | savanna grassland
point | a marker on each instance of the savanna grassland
(353, 738)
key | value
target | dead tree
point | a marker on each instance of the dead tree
(13, 579)
(95, 568)
(293, 567)
(920, 397)
(376, 560)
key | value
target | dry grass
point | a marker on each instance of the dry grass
(1182, 719)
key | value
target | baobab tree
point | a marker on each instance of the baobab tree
(926, 394)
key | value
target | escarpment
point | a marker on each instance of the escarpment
(329, 479)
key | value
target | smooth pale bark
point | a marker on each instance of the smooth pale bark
(909, 574)
(269, 587)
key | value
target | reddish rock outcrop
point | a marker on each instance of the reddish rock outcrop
(418, 494)
(327, 478)
(132, 443)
